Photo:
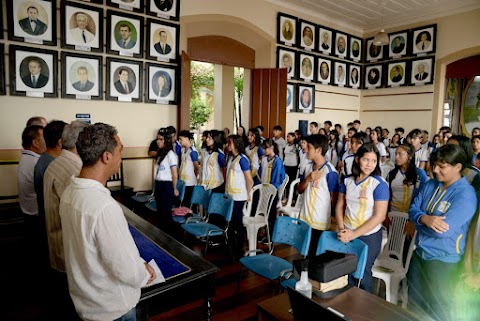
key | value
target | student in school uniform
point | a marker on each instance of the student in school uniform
(255, 153)
(213, 163)
(279, 140)
(362, 207)
(189, 167)
(290, 160)
(304, 162)
(332, 152)
(375, 136)
(470, 172)
(346, 165)
(421, 155)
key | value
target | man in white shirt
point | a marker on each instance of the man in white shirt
(104, 268)
(81, 34)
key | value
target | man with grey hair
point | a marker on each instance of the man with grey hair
(101, 258)
(81, 34)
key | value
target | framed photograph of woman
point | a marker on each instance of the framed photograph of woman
(424, 40)
(397, 74)
(124, 80)
(354, 76)
(291, 95)
(306, 98)
(373, 53)
(286, 58)
(324, 66)
(373, 76)
(340, 73)
(130, 5)
(82, 76)
(306, 35)
(286, 28)
(398, 44)
(163, 40)
(161, 84)
(167, 9)
(325, 36)
(421, 71)
(306, 67)
(32, 21)
(124, 34)
(82, 27)
(341, 44)
(355, 52)
(33, 72)
(2, 70)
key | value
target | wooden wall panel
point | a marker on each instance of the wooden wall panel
(183, 112)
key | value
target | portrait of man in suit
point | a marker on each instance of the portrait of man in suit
(325, 41)
(375, 50)
(340, 77)
(398, 45)
(164, 5)
(125, 41)
(83, 84)
(423, 41)
(421, 75)
(80, 33)
(307, 67)
(162, 47)
(306, 98)
(287, 30)
(122, 85)
(341, 45)
(162, 84)
(307, 36)
(354, 76)
(396, 75)
(355, 49)
(324, 70)
(32, 24)
(35, 78)
(373, 76)
(287, 62)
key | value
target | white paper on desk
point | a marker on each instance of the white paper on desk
(160, 278)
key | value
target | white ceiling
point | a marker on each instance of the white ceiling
(373, 15)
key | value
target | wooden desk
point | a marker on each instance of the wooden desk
(196, 284)
(355, 303)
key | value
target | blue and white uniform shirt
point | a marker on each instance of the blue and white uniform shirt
(403, 195)
(254, 155)
(163, 171)
(236, 185)
(187, 169)
(212, 174)
(273, 171)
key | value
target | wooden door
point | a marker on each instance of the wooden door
(183, 113)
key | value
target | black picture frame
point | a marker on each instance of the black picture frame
(291, 97)
(398, 45)
(2, 70)
(166, 9)
(324, 71)
(415, 69)
(128, 89)
(373, 76)
(124, 25)
(397, 73)
(74, 68)
(325, 40)
(43, 32)
(93, 1)
(21, 83)
(341, 44)
(153, 94)
(422, 47)
(89, 38)
(306, 67)
(355, 81)
(291, 64)
(340, 69)
(1, 24)
(155, 31)
(355, 49)
(373, 53)
(134, 5)
(286, 36)
(304, 105)
(306, 38)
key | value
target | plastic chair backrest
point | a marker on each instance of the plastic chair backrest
(385, 168)
(293, 232)
(200, 196)
(181, 189)
(281, 190)
(410, 251)
(265, 200)
(393, 250)
(221, 204)
(329, 241)
(291, 192)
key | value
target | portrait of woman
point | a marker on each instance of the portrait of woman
(307, 67)
(324, 71)
(354, 77)
(307, 36)
(161, 84)
(287, 30)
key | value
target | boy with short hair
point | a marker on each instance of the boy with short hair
(279, 140)
(260, 131)
(313, 128)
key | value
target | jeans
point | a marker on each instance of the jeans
(129, 316)
(374, 243)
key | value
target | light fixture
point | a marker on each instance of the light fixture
(381, 38)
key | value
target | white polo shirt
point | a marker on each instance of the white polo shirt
(26, 189)
(163, 171)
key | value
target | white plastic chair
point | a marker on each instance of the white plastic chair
(389, 265)
(288, 209)
(281, 190)
(386, 167)
(260, 219)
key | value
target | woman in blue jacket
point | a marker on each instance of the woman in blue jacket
(441, 212)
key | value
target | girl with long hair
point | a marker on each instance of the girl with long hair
(375, 136)
(255, 153)
(393, 146)
(189, 166)
(213, 163)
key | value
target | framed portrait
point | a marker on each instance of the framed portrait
(373, 53)
(124, 34)
(286, 58)
(421, 71)
(163, 40)
(130, 5)
(324, 68)
(325, 36)
(82, 76)
(82, 27)
(2, 70)
(161, 84)
(424, 40)
(32, 21)
(355, 49)
(124, 80)
(93, 1)
(167, 9)
(354, 76)
(398, 44)
(286, 29)
(306, 67)
(306, 98)
(397, 74)
(291, 95)
(306, 35)
(373, 76)
(341, 45)
(33, 72)
(340, 73)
